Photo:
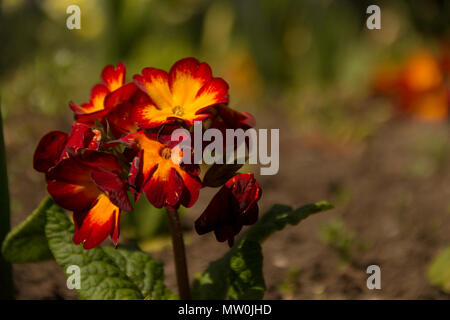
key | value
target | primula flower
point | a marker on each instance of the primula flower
(56, 145)
(183, 93)
(89, 184)
(113, 79)
(111, 100)
(85, 171)
(164, 182)
(235, 205)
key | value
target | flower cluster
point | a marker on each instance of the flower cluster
(120, 144)
(418, 85)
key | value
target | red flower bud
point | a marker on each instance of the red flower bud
(235, 205)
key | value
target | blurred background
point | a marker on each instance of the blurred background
(363, 119)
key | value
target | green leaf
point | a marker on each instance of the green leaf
(106, 273)
(238, 274)
(439, 271)
(147, 273)
(27, 242)
(279, 216)
(246, 276)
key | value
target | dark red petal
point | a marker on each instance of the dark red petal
(191, 191)
(49, 150)
(250, 216)
(71, 186)
(165, 134)
(218, 208)
(245, 189)
(82, 136)
(121, 120)
(120, 95)
(99, 159)
(136, 176)
(234, 119)
(111, 184)
(164, 188)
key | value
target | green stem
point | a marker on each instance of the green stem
(179, 254)
(6, 287)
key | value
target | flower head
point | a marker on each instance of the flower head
(153, 171)
(89, 184)
(56, 145)
(126, 130)
(235, 205)
(112, 79)
(183, 93)
(111, 101)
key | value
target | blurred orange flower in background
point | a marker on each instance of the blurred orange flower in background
(417, 86)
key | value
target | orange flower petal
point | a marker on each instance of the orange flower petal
(165, 183)
(92, 227)
(188, 89)
(114, 78)
(155, 83)
(186, 78)
(98, 94)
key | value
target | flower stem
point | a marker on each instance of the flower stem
(179, 255)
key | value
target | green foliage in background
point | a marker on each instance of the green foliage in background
(336, 234)
(438, 273)
(144, 222)
(6, 289)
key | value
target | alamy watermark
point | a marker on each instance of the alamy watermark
(74, 277)
(229, 149)
(374, 280)
(374, 20)
(74, 20)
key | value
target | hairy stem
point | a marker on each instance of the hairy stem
(179, 255)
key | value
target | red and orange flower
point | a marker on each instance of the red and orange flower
(123, 131)
(183, 93)
(153, 171)
(89, 184)
(417, 86)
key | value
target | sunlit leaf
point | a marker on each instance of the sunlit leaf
(106, 273)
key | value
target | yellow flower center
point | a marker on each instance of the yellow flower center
(166, 153)
(178, 111)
